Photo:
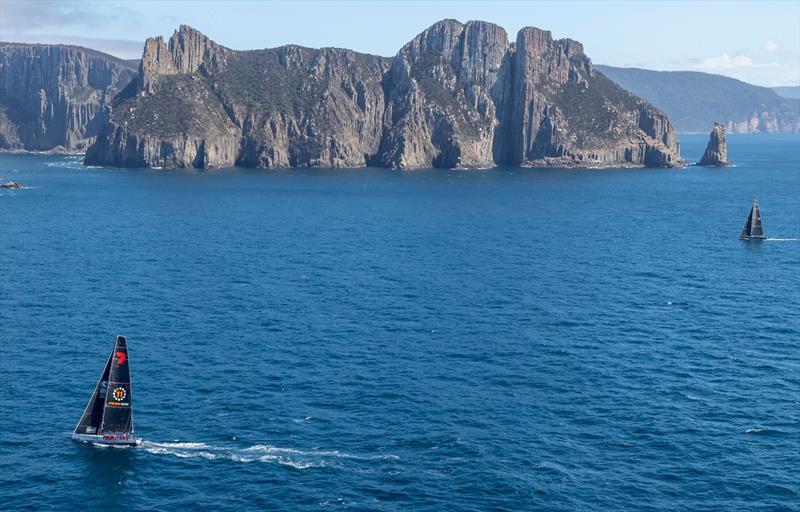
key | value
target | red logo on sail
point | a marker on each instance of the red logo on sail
(121, 357)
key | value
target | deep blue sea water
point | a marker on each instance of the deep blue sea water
(510, 339)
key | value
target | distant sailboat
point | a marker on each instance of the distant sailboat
(752, 228)
(108, 417)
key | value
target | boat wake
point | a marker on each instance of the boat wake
(298, 459)
(782, 239)
(112, 446)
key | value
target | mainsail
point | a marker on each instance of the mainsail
(753, 228)
(117, 415)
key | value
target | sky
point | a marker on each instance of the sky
(754, 41)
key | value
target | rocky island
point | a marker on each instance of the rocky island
(456, 96)
(716, 153)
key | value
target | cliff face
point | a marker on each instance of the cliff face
(565, 114)
(198, 104)
(443, 92)
(50, 95)
(785, 120)
(458, 95)
(716, 153)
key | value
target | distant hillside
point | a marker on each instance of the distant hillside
(694, 101)
(789, 91)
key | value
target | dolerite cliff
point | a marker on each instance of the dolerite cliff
(50, 95)
(198, 104)
(456, 96)
(716, 153)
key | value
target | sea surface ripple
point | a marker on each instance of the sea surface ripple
(509, 339)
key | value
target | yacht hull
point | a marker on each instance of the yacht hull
(130, 440)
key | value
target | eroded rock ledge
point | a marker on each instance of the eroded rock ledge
(456, 96)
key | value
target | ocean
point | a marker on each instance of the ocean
(508, 339)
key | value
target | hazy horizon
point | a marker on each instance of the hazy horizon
(756, 42)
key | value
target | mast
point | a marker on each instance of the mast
(117, 415)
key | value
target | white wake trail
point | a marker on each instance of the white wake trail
(296, 458)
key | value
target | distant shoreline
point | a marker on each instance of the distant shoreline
(43, 152)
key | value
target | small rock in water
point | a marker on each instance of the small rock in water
(716, 154)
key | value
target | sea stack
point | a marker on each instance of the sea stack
(716, 154)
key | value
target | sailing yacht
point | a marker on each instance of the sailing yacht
(108, 417)
(752, 228)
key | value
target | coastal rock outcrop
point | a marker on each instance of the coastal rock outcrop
(716, 153)
(198, 104)
(50, 95)
(443, 92)
(456, 96)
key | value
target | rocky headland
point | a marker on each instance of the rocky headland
(51, 95)
(456, 96)
(716, 153)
